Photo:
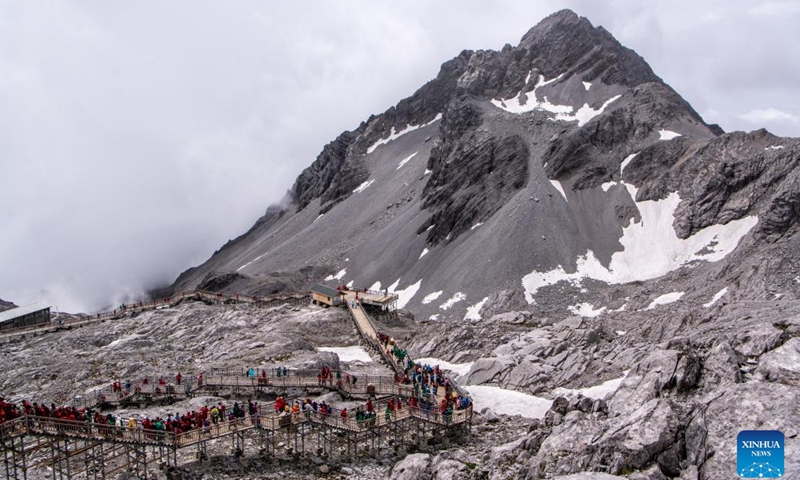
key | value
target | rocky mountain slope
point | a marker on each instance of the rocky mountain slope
(562, 158)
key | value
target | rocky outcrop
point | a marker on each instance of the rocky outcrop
(331, 176)
(781, 365)
(565, 42)
(416, 466)
(6, 305)
(473, 174)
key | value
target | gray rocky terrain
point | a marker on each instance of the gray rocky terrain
(555, 218)
(6, 305)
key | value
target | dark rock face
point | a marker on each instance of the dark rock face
(330, 176)
(473, 173)
(565, 42)
(6, 305)
(217, 282)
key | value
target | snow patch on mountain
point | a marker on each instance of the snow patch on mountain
(665, 299)
(558, 187)
(251, 261)
(627, 160)
(586, 113)
(453, 300)
(405, 160)
(508, 402)
(650, 248)
(716, 298)
(349, 354)
(375, 286)
(774, 147)
(473, 312)
(424, 252)
(363, 186)
(587, 85)
(406, 294)
(431, 297)
(586, 310)
(528, 101)
(667, 135)
(339, 275)
(597, 392)
(395, 135)
(607, 185)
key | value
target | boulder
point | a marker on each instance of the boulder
(782, 364)
(752, 405)
(644, 382)
(487, 369)
(721, 366)
(416, 466)
(757, 339)
(490, 416)
(512, 300)
(320, 359)
(449, 469)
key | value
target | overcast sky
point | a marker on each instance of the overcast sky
(138, 137)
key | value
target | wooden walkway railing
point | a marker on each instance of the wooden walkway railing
(382, 387)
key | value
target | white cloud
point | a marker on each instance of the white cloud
(768, 115)
(775, 9)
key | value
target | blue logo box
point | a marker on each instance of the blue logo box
(759, 454)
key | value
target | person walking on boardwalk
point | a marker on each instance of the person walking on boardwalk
(178, 378)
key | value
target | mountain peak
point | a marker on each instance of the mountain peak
(565, 42)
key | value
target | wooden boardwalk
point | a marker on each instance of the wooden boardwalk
(75, 449)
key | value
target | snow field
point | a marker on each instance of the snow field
(457, 297)
(508, 402)
(665, 299)
(650, 248)
(597, 392)
(339, 275)
(406, 294)
(349, 354)
(563, 112)
(586, 310)
(431, 297)
(473, 312)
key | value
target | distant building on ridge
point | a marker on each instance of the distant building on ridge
(29, 315)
